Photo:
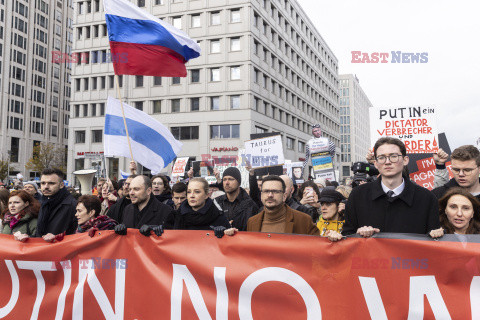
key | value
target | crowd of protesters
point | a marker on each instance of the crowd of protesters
(273, 204)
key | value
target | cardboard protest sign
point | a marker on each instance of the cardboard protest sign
(179, 166)
(265, 152)
(415, 126)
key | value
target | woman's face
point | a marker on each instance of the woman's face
(196, 195)
(16, 204)
(459, 212)
(329, 210)
(309, 192)
(82, 214)
(157, 186)
(106, 190)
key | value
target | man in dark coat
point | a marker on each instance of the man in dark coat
(116, 210)
(391, 203)
(57, 213)
(145, 209)
(236, 204)
(465, 169)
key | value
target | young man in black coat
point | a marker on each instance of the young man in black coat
(145, 212)
(391, 203)
(57, 211)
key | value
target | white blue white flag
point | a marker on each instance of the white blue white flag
(124, 174)
(153, 145)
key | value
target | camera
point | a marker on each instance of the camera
(363, 172)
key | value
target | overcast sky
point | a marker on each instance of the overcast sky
(448, 30)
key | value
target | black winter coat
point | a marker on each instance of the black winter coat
(440, 191)
(62, 218)
(208, 215)
(240, 210)
(116, 210)
(415, 210)
(154, 213)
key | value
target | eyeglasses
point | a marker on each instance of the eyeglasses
(157, 183)
(393, 158)
(466, 171)
(272, 191)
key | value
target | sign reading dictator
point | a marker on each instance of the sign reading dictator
(194, 275)
(415, 126)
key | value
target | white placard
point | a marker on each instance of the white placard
(179, 166)
(264, 152)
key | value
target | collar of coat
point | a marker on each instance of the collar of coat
(406, 195)
(258, 220)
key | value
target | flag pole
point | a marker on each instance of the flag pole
(123, 114)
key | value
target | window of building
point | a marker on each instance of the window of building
(215, 46)
(177, 22)
(185, 133)
(301, 146)
(14, 149)
(138, 81)
(235, 102)
(157, 106)
(176, 80)
(215, 74)
(226, 131)
(97, 136)
(196, 21)
(235, 73)
(214, 103)
(141, 3)
(235, 44)
(80, 136)
(290, 142)
(194, 104)
(215, 18)
(139, 105)
(175, 105)
(235, 15)
(195, 75)
(157, 81)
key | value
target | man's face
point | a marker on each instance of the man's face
(100, 184)
(297, 173)
(30, 189)
(230, 184)
(465, 173)
(317, 132)
(178, 198)
(272, 194)
(50, 184)
(288, 186)
(138, 193)
(389, 169)
(126, 187)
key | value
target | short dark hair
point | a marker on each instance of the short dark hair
(50, 171)
(466, 153)
(166, 184)
(179, 187)
(474, 226)
(274, 178)
(390, 140)
(91, 203)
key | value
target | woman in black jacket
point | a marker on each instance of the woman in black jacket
(199, 212)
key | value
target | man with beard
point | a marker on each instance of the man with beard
(236, 204)
(116, 210)
(57, 213)
(145, 212)
(277, 217)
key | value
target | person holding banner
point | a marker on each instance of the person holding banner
(332, 217)
(20, 218)
(317, 134)
(200, 212)
(89, 218)
(391, 203)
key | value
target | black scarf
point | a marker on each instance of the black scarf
(164, 196)
(137, 216)
(203, 217)
(48, 205)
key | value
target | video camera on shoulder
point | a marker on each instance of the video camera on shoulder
(363, 172)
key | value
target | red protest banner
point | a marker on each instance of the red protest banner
(194, 275)
(426, 170)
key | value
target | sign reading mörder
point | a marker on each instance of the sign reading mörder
(415, 126)
(264, 152)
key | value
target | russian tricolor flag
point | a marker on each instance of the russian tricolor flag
(142, 44)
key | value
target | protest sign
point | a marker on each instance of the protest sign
(251, 275)
(264, 152)
(179, 166)
(415, 126)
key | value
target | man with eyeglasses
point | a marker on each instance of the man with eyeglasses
(277, 217)
(391, 203)
(466, 169)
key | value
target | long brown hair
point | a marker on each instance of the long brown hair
(474, 225)
(33, 205)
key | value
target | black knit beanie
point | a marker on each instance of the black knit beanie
(233, 172)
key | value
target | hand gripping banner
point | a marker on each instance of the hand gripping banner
(194, 275)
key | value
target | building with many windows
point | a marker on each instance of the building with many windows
(34, 81)
(354, 122)
(263, 68)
